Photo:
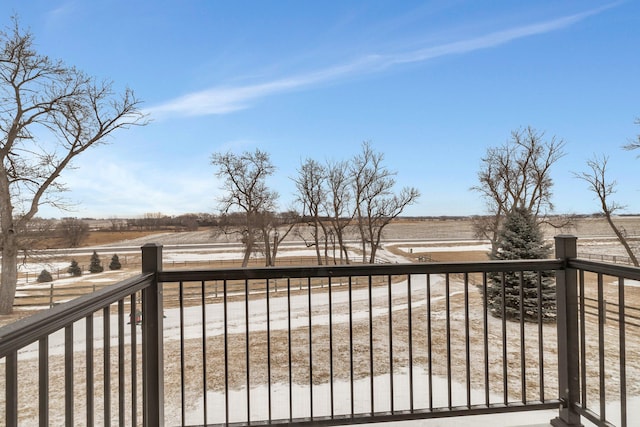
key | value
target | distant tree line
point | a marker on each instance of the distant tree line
(71, 232)
(159, 221)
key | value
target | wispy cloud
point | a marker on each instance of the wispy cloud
(227, 99)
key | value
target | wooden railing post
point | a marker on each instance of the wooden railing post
(152, 346)
(568, 340)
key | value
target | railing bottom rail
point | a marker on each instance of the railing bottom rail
(406, 415)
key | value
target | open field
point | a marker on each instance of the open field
(407, 241)
(449, 228)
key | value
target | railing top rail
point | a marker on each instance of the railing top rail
(30, 329)
(358, 270)
(626, 271)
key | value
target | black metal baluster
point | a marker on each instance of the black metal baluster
(602, 316)
(331, 348)
(43, 381)
(485, 338)
(352, 391)
(505, 377)
(623, 351)
(429, 343)
(247, 345)
(410, 333)
(371, 345)
(448, 333)
(106, 362)
(390, 305)
(310, 352)
(68, 376)
(11, 388)
(289, 349)
(121, 361)
(268, 352)
(203, 295)
(183, 400)
(467, 344)
(523, 373)
(90, 394)
(540, 339)
(226, 352)
(134, 360)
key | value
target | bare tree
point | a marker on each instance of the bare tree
(311, 193)
(596, 177)
(516, 174)
(49, 114)
(375, 202)
(72, 231)
(244, 181)
(338, 205)
(274, 228)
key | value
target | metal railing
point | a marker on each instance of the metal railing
(83, 348)
(328, 345)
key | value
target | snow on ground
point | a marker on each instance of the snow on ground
(362, 402)
(453, 248)
(259, 397)
(107, 276)
(36, 268)
(200, 255)
(236, 315)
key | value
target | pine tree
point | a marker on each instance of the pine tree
(521, 238)
(95, 266)
(44, 277)
(115, 263)
(74, 269)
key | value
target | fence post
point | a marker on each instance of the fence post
(152, 346)
(51, 296)
(568, 341)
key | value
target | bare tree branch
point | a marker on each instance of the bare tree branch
(50, 113)
(244, 181)
(517, 174)
(375, 202)
(596, 178)
(635, 143)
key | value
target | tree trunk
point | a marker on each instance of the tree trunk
(316, 242)
(622, 240)
(248, 248)
(268, 262)
(9, 275)
(343, 249)
(363, 240)
(376, 237)
(274, 251)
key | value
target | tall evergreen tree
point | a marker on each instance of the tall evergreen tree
(115, 263)
(95, 266)
(521, 238)
(74, 269)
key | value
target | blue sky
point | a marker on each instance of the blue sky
(431, 84)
